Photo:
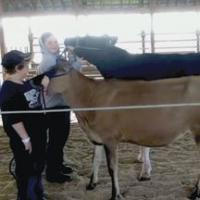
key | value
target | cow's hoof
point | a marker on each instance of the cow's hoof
(195, 194)
(118, 197)
(91, 186)
(144, 178)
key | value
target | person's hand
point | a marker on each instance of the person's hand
(45, 83)
(27, 144)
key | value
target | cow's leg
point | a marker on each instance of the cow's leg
(140, 155)
(145, 173)
(196, 191)
(97, 158)
(112, 163)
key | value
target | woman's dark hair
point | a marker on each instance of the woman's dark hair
(13, 60)
(12, 69)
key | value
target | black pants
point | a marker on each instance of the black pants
(58, 125)
(29, 167)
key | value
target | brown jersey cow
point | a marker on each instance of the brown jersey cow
(151, 127)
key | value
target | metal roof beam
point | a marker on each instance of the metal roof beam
(40, 7)
(34, 4)
(62, 4)
(52, 3)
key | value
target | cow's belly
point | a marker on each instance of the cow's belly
(92, 135)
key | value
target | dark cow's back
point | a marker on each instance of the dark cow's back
(114, 62)
(98, 42)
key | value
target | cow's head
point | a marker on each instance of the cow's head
(58, 80)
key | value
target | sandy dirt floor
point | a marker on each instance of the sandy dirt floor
(175, 170)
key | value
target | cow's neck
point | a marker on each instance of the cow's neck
(81, 95)
(81, 90)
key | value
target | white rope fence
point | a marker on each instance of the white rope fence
(131, 107)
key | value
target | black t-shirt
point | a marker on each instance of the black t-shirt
(26, 96)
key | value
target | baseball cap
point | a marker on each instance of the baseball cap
(13, 58)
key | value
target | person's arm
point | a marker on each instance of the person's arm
(21, 131)
(10, 100)
(16, 122)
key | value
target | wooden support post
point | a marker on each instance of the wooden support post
(152, 36)
(2, 40)
(143, 42)
(30, 38)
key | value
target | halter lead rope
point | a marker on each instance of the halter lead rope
(44, 107)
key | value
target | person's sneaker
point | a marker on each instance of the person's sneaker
(66, 169)
(58, 178)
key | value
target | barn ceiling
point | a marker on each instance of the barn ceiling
(33, 7)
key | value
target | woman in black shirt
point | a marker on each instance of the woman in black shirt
(25, 131)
